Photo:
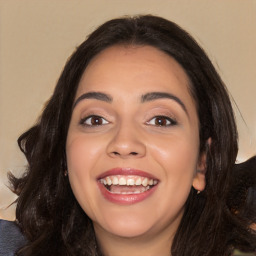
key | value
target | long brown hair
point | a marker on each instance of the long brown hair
(47, 210)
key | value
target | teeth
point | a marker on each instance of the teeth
(115, 180)
(122, 181)
(128, 181)
(143, 189)
(109, 181)
(138, 182)
(145, 182)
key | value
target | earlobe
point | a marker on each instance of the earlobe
(199, 178)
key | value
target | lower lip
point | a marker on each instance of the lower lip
(125, 199)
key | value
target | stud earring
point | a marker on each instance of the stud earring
(198, 192)
(65, 173)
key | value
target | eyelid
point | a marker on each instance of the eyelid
(172, 121)
(83, 120)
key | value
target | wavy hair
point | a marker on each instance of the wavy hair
(213, 222)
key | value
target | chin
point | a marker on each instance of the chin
(126, 226)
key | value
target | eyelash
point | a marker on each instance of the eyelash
(163, 121)
(84, 120)
(168, 121)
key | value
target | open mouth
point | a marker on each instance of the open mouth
(127, 184)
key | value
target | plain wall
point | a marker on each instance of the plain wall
(36, 38)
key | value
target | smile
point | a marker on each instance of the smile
(123, 184)
(126, 186)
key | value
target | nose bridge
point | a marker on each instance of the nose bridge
(126, 141)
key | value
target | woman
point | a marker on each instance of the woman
(134, 152)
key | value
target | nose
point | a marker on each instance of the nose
(126, 142)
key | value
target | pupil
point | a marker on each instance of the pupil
(96, 121)
(160, 121)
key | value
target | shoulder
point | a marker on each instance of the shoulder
(11, 238)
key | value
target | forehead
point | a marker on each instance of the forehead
(134, 68)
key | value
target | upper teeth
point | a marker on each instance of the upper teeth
(128, 180)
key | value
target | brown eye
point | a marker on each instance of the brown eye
(162, 121)
(94, 121)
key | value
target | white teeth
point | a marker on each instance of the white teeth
(109, 181)
(145, 182)
(128, 181)
(143, 189)
(138, 182)
(115, 180)
(103, 181)
(122, 181)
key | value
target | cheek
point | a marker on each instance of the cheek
(81, 160)
(176, 149)
(81, 153)
(178, 158)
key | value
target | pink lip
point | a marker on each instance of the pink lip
(126, 171)
(125, 199)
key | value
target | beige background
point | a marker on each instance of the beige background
(37, 36)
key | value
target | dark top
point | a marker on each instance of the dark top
(11, 238)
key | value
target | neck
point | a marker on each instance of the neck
(112, 245)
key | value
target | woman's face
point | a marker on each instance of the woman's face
(133, 142)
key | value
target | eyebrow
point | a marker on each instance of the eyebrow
(162, 95)
(151, 96)
(94, 95)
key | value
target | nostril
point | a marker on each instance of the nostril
(118, 154)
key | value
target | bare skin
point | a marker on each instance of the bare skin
(133, 111)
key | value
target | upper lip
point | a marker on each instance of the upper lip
(126, 171)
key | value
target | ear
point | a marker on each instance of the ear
(199, 177)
